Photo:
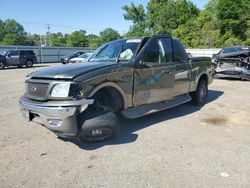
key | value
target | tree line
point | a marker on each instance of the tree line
(220, 23)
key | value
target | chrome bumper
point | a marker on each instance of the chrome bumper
(57, 116)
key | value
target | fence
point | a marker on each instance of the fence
(203, 52)
(47, 54)
(54, 54)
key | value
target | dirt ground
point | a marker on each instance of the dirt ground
(185, 146)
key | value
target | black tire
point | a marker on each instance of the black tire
(2, 65)
(200, 95)
(101, 127)
(29, 63)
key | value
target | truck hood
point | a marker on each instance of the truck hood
(69, 71)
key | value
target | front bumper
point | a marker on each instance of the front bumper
(57, 116)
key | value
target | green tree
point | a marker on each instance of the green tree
(77, 39)
(12, 33)
(109, 34)
(94, 41)
(138, 16)
(58, 39)
(232, 18)
(164, 16)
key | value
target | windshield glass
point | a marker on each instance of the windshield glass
(125, 49)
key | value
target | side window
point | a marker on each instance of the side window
(23, 53)
(180, 54)
(168, 49)
(154, 52)
(14, 53)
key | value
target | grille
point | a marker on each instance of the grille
(37, 90)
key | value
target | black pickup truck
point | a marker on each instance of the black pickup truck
(133, 77)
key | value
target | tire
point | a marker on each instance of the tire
(200, 95)
(99, 128)
(2, 65)
(29, 63)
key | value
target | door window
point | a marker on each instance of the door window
(13, 53)
(154, 52)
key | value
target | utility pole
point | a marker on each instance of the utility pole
(48, 33)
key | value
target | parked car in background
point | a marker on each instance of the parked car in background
(19, 58)
(134, 77)
(2, 61)
(232, 62)
(66, 59)
(80, 59)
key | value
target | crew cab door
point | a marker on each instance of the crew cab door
(154, 73)
(183, 69)
(12, 57)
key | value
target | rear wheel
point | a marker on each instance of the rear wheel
(200, 95)
(29, 63)
(100, 127)
(2, 65)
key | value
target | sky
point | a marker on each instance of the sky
(67, 16)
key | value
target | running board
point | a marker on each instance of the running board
(143, 110)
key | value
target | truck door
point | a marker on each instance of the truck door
(183, 69)
(12, 57)
(154, 74)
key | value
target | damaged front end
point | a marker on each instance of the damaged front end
(232, 65)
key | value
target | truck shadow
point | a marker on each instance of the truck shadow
(129, 127)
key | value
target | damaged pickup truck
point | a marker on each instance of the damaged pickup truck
(232, 62)
(133, 77)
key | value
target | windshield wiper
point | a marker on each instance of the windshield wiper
(118, 56)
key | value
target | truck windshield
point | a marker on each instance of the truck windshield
(125, 49)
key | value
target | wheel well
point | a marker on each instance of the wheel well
(109, 98)
(203, 77)
(29, 60)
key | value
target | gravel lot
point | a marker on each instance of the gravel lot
(181, 147)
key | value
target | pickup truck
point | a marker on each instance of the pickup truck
(132, 77)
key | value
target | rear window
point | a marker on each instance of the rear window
(28, 52)
(179, 52)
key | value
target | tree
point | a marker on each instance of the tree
(58, 39)
(109, 34)
(94, 41)
(164, 16)
(232, 18)
(12, 33)
(138, 16)
(77, 39)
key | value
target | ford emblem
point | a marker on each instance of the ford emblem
(33, 89)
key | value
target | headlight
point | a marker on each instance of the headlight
(60, 90)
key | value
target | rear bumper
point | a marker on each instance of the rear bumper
(57, 116)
